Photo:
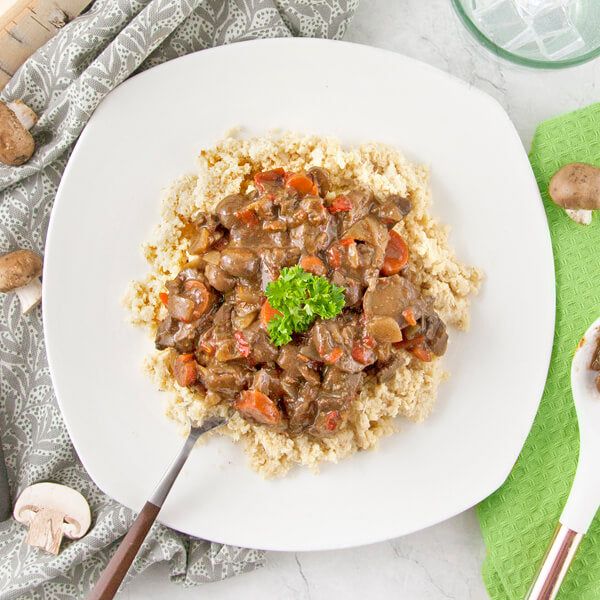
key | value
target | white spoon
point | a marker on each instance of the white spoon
(584, 498)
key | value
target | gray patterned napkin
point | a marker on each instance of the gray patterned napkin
(63, 82)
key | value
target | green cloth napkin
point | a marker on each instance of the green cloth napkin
(518, 520)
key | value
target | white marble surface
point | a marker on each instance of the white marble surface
(442, 562)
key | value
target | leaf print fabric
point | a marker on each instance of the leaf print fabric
(63, 82)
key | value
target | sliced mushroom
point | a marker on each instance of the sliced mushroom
(16, 143)
(576, 188)
(51, 510)
(20, 272)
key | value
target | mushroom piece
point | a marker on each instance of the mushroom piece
(20, 272)
(52, 510)
(576, 188)
(16, 143)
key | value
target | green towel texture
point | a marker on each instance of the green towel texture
(518, 520)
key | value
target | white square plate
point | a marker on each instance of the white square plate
(146, 133)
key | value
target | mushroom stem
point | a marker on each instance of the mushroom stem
(26, 116)
(30, 295)
(46, 530)
(581, 216)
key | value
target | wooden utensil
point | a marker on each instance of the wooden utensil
(584, 498)
(117, 568)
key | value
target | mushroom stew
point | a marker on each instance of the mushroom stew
(357, 313)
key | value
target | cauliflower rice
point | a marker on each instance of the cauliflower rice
(228, 168)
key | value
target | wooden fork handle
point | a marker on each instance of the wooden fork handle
(119, 564)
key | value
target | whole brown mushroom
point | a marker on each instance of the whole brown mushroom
(576, 188)
(16, 143)
(19, 273)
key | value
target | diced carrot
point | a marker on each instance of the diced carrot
(333, 356)
(243, 346)
(258, 407)
(164, 298)
(302, 357)
(301, 183)
(409, 316)
(313, 264)
(340, 204)
(396, 255)
(272, 175)
(247, 216)
(267, 312)
(411, 343)
(346, 242)
(332, 420)
(200, 295)
(184, 369)
(422, 353)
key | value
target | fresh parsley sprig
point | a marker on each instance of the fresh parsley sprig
(300, 297)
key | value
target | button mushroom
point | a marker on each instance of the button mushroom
(20, 272)
(16, 143)
(576, 188)
(51, 510)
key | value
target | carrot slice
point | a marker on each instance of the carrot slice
(302, 184)
(313, 264)
(199, 294)
(164, 298)
(396, 255)
(267, 312)
(184, 369)
(258, 407)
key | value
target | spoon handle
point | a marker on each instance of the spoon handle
(119, 564)
(555, 565)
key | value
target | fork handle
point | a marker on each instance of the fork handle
(119, 564)
(555, 565)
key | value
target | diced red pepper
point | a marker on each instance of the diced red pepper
(164, 298)
(243, 346)
(332, 420)
(340, 204)
(334, 257)
(272, 175)
(184, 369)
(247, 216)
(396, 255)
(362, 353)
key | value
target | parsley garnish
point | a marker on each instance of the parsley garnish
(300, 297)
